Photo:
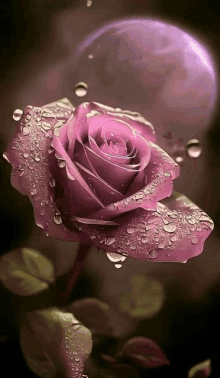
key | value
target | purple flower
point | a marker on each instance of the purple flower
(95, 174)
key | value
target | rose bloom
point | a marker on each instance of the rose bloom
(95, 175)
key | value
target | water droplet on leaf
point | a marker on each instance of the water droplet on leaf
(90, 56)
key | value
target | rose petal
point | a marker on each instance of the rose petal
(103, 190)
(116, 159)
(112, 127)
(138, 122)
(27, 153)
(113, 174)
(163, 235)
(105, 153)
(77, 189)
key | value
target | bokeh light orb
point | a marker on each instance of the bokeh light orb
(148, 66)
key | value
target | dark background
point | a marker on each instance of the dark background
(32, 47)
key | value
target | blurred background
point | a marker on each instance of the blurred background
(47, 47)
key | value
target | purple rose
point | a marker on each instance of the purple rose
(95, 174)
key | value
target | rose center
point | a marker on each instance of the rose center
(114, 146)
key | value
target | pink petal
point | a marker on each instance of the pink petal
(114, 159)
(27, 153)
(117, 176)
(139, 123)
(172, 233)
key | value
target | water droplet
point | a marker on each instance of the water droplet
(5, 156)
(190, 219)
(153, 254)
(37, 158)
(194, 240)
(114, 257)
(25, 155)
(33, 192)
(130, 230)
(167, 174)
(46, 125)
(57, 219)
(61, 163)
(162, 244)
(52, 182)
(90, 56)
(17, 114)
(25, 130)
(173, 238)
(109, 241)
(42, 212)
(81, 89)
(118, 266)
(179, 160)
(193, 148)
(169, 227)
(144, 240)
(165, 221)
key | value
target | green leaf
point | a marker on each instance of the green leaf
(54, 342)
(94, 314)
(26, 272)
(145, 297)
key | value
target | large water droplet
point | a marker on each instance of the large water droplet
(25, 130)
(17, 114)
(114, 257)
(90, 56)
(118, 266)
(169, 227)
(57, 219)
(81, 89)
(193, 148)
(25, 155)
(153, 254)
(89, 3)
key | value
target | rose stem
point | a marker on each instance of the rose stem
(68, 281)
